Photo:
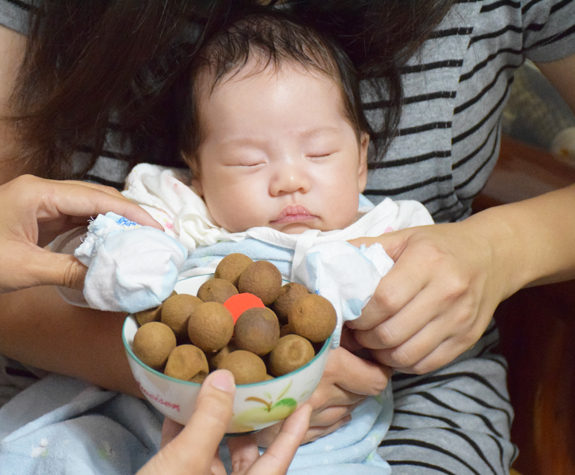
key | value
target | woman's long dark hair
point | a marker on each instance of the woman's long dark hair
(100, 65)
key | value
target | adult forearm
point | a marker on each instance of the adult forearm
(533, 240)
(41, 330)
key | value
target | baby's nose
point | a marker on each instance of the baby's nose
(290, 179)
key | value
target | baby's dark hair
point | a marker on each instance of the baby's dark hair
(273, 40)
(141, 49)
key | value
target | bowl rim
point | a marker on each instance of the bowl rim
(132, 355)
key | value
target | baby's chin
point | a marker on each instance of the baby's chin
(298, 227)
(293, 228)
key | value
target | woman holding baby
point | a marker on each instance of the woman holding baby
(448, 67)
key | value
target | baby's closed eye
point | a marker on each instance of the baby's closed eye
(245, 161)
(319, 155)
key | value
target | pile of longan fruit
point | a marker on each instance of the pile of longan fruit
(243, 320)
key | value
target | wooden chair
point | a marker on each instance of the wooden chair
(537, 327)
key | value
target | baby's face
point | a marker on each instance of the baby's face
(277, 151)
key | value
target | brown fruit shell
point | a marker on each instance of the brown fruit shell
(176, 311)
(216, 290)
(185, 362)
(231, 267)
(153, 343)
(289, 294)
(150, 315)
(262, 279)
(246, 367)
(291, 353)
(210, 326)
(313, 317)
(257, 330)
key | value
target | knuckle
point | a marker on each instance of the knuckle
(73, 275)
(463, 321)
(316, 401)
(455, 288)
(467, 339)
(386, 337)
(378, 386)
(423, 367)
(26, 180)
(402, 358)
(111, 190)
(387, 300)
(333, 416)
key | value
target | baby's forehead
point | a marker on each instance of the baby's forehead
(260, 82)
(257, 66)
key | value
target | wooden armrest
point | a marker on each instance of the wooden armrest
(522, 172)
(537, 327)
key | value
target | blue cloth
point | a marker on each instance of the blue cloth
(61, 425)
(352, 448)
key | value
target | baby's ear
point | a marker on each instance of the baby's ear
(197, 184)
(362, 172)
(195, 172)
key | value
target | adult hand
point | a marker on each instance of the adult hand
(346, 381)
(193, 449)
(437, 300)
(33, 211)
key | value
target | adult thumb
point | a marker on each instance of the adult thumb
(193, 450)
(393, 243)
(50, 268)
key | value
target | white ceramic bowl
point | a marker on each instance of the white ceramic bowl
(256, 405)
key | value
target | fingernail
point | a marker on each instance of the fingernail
(223, 380)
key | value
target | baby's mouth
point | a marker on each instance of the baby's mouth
(294, 213)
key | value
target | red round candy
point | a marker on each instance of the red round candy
(239, 303)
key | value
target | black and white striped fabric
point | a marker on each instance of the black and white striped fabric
(455, 91)
(454, 421)
(457, 419)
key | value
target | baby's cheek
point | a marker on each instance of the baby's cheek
(239, 217)
(345, 215)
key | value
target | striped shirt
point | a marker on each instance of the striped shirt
(455, 90)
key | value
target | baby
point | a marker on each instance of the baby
(275, 137)
(276, 141)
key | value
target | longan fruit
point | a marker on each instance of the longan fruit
(210, 326)
(313, 317)
(291, 353)
(289, 293)
(216, 290)
(262, 279)
(231, 267)
(257, 330)
(246, 367)
(153, 343)
(185, 362)
(176, 311)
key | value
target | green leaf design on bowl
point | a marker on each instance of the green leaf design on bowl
(266, 413)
